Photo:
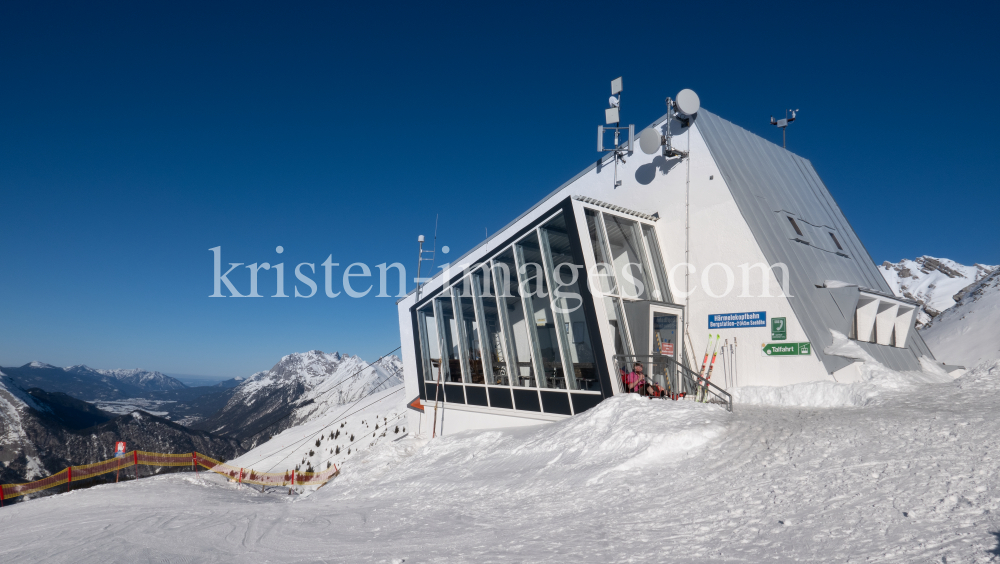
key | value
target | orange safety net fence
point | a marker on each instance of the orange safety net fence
(137, 457)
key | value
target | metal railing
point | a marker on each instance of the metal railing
(667, 378)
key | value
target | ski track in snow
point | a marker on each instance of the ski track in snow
(912, 477)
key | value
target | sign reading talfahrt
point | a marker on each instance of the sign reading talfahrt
(785, 349)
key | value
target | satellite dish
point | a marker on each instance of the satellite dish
(614, 102)
(687, 102)
(650, 141)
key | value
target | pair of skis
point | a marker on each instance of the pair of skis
(702, 393)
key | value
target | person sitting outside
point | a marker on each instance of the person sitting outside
(637, 382)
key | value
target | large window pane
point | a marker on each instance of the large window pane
(535, 292)
(616, 317)
(470, 330)
(494, 362)
(450, 341)
(661, 290)
(603, 276)
(568, 306)
(627, 256)
(514, 320)
(429, 346)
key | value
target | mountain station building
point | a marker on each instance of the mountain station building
(729, 235)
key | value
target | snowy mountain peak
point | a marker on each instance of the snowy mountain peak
(932, 282)
(36, 364)
(300, 387)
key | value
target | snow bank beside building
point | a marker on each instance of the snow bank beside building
(876, 379)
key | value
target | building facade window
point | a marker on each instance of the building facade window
(795, 226)
(515, 328)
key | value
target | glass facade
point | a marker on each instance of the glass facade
(627, 257)
(517, 331)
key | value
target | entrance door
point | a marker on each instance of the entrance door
(665, 334)
(665, 345)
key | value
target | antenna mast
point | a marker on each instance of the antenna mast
(783, 125)
(420, 255)
(611, 115)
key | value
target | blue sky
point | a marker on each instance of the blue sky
(134, 138)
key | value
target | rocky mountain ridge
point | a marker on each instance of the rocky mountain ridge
(935, 283)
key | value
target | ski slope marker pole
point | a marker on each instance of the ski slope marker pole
(135, 458)
(436, 390)
(725, 365)
(194, 463)
(69, 477)
(735, 350)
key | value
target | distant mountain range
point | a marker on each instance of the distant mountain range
(88, 384)
(42, 432)
(46, 424)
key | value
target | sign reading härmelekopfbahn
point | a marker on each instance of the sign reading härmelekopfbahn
(785, 349)
(737, 320)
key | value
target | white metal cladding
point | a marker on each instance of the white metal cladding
(765, 181)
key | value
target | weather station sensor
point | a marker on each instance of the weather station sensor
(783, 124)
(612, 115)
(683, 108)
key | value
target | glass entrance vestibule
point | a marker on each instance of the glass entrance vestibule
(525, 329)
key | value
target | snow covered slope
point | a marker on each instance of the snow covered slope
(299, 387)
(932, 282)
(333, 436)
(969, 332)
(912, 478)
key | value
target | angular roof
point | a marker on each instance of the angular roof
(770, 183)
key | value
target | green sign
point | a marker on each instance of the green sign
(779, 329)
(786, 349)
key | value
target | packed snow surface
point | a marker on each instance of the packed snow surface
(912, 477)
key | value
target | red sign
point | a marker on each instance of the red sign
(667, 349)
(120, 448)
(415, 405)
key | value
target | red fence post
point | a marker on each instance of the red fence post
(241, 477)
(135, 458)
(69, 477)
(1, 495)
(194, 462)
